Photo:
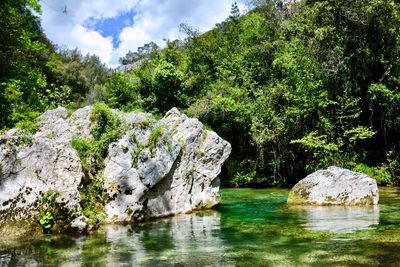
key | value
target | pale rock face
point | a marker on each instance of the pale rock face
(192, 183)
(335, 186)
(179, 176)
(176, 174)
(28, 171)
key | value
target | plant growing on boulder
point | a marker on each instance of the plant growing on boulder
(93, 200)
(49, 212)
(154, 138)
(107, 128)
(136, 150)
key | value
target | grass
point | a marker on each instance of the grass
(155, 137)
(136, 150)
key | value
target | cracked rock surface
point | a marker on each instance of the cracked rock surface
(177, 175)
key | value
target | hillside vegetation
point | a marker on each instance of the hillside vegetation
(293, 87)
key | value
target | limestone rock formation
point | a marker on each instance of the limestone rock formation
(31, 166)
(155, 169)
(335, 186)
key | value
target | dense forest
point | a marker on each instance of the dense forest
(294, 87)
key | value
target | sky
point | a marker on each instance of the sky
(110, 28)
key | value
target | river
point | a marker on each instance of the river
(251, 227)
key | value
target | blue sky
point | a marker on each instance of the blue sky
(111, 26)
(110, 29)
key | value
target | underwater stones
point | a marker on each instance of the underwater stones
(155, 168)
(335, 186)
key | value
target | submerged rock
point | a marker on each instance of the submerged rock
(155, 169)
(335, 186)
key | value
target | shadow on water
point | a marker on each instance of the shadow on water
(249, 228)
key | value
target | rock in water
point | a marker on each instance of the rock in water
(155, 169)
(335, 186)
(179, 176)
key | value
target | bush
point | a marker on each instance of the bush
(50, 211)
(380, 174)
(107, 128)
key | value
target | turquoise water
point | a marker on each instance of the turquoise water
(249, 228)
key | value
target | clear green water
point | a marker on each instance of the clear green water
(250, 228)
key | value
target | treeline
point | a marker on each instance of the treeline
(35, 75)
(293, 86)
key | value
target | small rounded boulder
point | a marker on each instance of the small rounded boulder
(335, 186)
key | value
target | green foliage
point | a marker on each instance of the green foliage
(244, 179)
(166, 82)
(84, 149)
(83, 76)
(34, 76)
(155, 137)
(145, 123)
(359, 133)
(24, 50)
(93, 200)
(47, 221)
(293, 87)
(123, 91)
(49, 211)
(144, 52)
(380, 174)
(312, 141)
(136, 150)
(106, 128)
(245, 173)
(28, 124)
(190, 173)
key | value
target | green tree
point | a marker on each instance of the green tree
(23, 52)
(166, 83)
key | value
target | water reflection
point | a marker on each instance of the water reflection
(339, 219)
(250, 228)
(190, 239)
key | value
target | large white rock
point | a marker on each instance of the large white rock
(335, 186)
(30, 168)
(178, 174)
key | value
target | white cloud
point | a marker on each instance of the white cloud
(91, 42)
(155, 20)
